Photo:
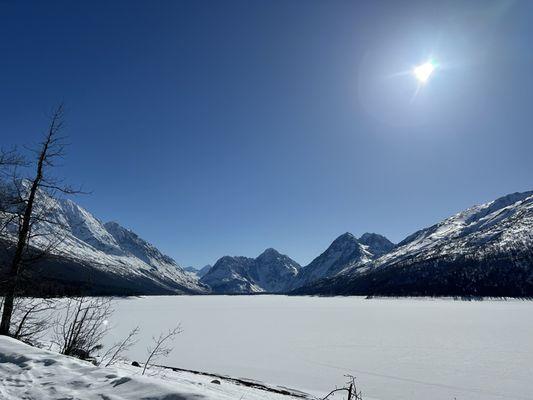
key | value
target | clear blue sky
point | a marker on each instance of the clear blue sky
(216, 127)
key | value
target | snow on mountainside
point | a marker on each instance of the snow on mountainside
(269, 272)
(107, 248)
(505, 224)
(376, 244)
(274, 271)
(133, 245)
(198, 271)
(484, 250)
(345, 252)
(231, 275)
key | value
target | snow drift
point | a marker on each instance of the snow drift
(34, 374)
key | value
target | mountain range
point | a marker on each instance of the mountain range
(486, 250)
(95, 257)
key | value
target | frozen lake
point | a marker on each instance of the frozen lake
(397, 348)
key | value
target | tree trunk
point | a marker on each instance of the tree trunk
(22, 239)
(9, 299)
(7, 309)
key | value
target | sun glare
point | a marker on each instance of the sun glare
(424, 71)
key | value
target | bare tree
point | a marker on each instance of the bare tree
(116, 352)
(161, 346)
(82, 326)
(9, 158)
(349, 389)
(28, 213)
(31, 318)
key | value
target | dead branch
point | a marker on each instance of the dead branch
(350, 389)
(117, 351)
(31, 318)
(161, 346)
(81, 328)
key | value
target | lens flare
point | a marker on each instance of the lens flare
(424, 71)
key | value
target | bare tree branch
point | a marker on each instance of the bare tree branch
(117, 351)
(350, 389)
(10, 158)
(80, 330)
(161, 346)
(31, 318)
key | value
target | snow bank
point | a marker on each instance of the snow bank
(30, 373)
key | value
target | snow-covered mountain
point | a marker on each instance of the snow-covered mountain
(376, 244)
(270, 272)
(204, 270)
(231, 275)
(273, 271)
(103, 257)
(345, 252)
(484, 250)
(197, 271)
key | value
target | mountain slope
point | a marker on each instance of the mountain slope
(484, 250)
(344, 253)
(376, 244)
(199, 272)
(90, 255)
(204, 270)
(269, 272)
(273, 271)
(231, 275)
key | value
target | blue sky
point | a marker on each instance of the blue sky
(215, 128)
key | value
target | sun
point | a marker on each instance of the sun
(424, 71)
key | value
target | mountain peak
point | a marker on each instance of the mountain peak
(342, 252)
(344, 241)
(270, 272)
(270, 252)
(370, 236)
(346, 237)
(377, 244)
(485, 250)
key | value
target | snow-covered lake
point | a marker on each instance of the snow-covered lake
(397, 348)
